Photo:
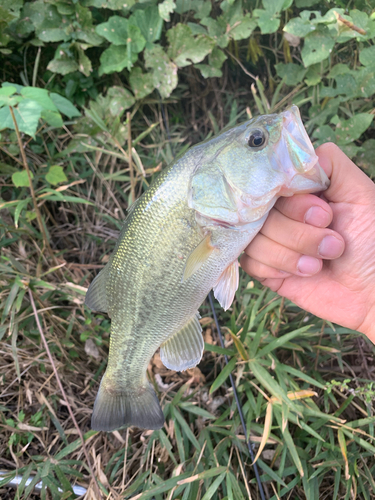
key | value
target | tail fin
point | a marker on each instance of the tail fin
(121, 409)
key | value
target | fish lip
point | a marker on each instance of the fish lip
(313, 181)
(296, 157)
(299, 147)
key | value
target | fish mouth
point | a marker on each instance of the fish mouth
(296, 157)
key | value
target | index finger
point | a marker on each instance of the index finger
(306, 208)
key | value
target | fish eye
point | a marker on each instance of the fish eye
(257, 139)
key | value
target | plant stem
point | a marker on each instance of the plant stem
(36, 208)
(132, 183)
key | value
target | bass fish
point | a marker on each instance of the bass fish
(182, 238)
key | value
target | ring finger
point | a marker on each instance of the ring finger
(265, 252)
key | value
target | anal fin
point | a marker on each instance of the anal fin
(227, 285)
(184, 350)
(96, 296)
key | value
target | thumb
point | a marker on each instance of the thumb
(348, 183)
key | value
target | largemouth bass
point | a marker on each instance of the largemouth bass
(182, 238)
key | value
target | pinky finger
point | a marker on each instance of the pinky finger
(260, 271)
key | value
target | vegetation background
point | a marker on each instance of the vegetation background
(104, 94)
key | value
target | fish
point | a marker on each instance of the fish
(181, 239)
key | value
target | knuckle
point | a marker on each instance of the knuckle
(285, 260)
(297, 238)
(328, 148)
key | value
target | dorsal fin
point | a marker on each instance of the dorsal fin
(96, 296)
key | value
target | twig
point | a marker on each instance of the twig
(242, 66)
(36, 208)
(349, 24)
(63, 392)
(132, 184)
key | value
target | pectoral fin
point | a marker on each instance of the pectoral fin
(96, 296)
(227, 285)
(184, 350)
(198, 257)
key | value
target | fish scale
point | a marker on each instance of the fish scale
(181, 239)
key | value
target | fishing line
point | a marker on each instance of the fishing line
(235, 394)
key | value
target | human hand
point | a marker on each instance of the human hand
(321, 254)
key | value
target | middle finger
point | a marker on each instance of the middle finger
(303, 238)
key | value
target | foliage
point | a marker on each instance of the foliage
(150, 51)
(106, 67)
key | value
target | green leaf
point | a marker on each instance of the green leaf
(209, 71)
(367, 56)
(120, 32)
(292, 73)
(317, 47)
(141, 83)
(53, 35)
(267, 22)
(6, 169)
(273, 475)
(217, 29)
(365, 159)
(196, 410)
(84, 63)
(280, 341)
(64, 105)
(115, 59)
(213, 487)
(243, 29)
(62, 66)
(164, 71)
(113, 4)
(219, 350)
(299, 27)
(120, 99)
(223, 375)
(271, 385)
(293, 450)
(298, 374)
(73, 446)
(115, 30)
(40, 96)
(217, 58)
(55, 175)
(324, 134)
(149, 22)
(53, 118)
(27, 115)
(166, 8)
(21, 179)
(184, 48)
(186, 429)
(8, 91)
(339, 69)
(350, 130)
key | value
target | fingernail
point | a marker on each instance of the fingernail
(308, 265)
(330, 247)
(317, 216)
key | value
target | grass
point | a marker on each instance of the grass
(305, 386)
